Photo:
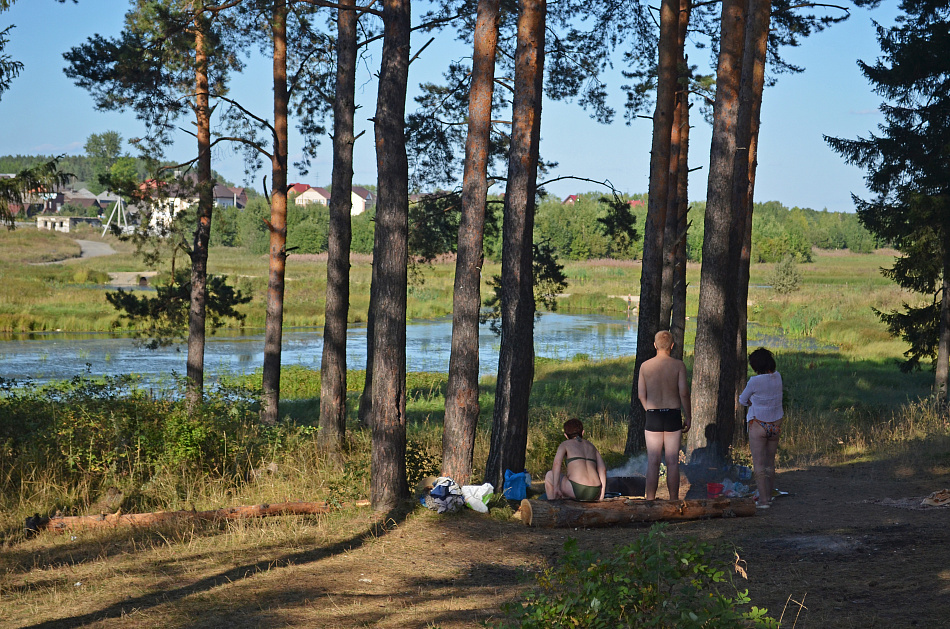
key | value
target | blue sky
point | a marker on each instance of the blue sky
(43, 112)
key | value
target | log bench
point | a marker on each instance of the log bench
(623, 510)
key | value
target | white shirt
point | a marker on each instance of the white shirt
(763, 396)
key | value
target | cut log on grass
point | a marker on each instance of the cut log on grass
(36, 523)
(614, 511)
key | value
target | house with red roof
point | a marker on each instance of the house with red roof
(297, 188)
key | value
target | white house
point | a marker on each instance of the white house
(168, 201)
(361, 199)
(320, 196)
(226, 196)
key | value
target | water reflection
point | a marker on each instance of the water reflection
(54, 356)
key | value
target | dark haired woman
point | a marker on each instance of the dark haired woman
(763, 396)
(586, 477)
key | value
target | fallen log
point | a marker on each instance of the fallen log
(613, 511)
(36, 523)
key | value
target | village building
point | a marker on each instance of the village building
(319, 196)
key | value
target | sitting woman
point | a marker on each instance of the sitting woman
(586, 477)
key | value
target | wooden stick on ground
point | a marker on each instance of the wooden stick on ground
(37, 523)
(568, 513)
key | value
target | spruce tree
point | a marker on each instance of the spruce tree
(908, 172)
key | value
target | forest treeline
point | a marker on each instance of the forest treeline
(571, 229)
(777, 230)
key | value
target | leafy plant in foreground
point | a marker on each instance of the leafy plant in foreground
(654, 582)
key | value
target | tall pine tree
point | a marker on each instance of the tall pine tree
(173, 57)
(908, 171)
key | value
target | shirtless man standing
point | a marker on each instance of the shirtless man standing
(663, 391)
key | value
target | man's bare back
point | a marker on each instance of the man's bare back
(663, 383)
(662, 389)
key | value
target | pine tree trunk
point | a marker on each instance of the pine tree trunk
(715, 349)
(753, 85)
(509, 436)
(199, 251)
(333, 365)
(734, 317)
(678, 132)
(461, 399)
(390, 257)
(365, 411)
(672, 216)
(274, 318)
(942, 368)
(648, 322)
(678, 313)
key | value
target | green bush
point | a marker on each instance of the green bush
(363, 226)
(420, 463)
(656, 581)
(83, 275)
(93, 430)
(785, 277)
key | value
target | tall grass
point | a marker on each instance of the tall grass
(30, 246)
(916, 434)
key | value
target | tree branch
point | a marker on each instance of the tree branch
(424, 25)
(333, 5)
(244, 141)
(416, 56)
(814, 5)
(263, 122)
(508, 87)
(177, 166)
(606, 182)
(296, 78)
(221, 7)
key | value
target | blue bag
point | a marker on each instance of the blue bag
(516, 485)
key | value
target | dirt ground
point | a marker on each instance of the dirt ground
(851, 563)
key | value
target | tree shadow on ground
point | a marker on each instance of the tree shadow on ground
(232, 575)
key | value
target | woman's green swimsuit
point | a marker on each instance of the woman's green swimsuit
(584, 493)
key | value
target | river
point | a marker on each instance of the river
(43, 357)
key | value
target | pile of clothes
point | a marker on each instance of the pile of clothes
(445, 496)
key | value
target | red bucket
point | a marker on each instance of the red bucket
(713, 490)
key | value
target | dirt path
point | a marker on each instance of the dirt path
(94, 248)
(87, 249)
(851, 564)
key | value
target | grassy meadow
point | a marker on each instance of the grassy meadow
(63, 447)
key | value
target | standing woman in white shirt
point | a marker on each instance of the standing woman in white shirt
(763, 396)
